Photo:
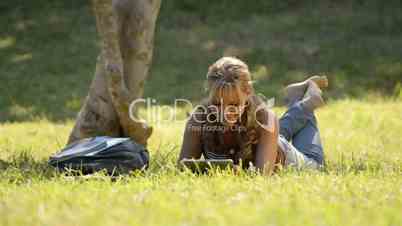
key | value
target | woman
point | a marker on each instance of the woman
(233, 123)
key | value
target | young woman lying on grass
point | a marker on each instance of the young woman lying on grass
(234, 123)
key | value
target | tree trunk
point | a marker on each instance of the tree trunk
(126, 28)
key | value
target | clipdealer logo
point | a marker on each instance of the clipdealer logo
(214, 113)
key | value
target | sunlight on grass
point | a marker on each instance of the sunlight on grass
(48, 61)
(21, 57)
(18, 111)
(363, 177)
(349, 128)
(6, 42)
(261, 72)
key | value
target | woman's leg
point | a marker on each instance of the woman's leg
(295, 91)
(300, 125)
(308, 141)
(293, 120)
(300, 112)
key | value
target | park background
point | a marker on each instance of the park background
(48, 53)
(49, 48)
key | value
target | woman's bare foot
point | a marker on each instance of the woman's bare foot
(312, 99)
(296, 91)
(321, 81)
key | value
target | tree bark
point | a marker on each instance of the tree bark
(126, 28)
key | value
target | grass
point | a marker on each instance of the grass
(363, 178)
(48, 59)
(47, 55)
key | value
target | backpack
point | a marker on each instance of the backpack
(115, 155)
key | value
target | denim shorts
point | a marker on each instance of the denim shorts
(294, 158)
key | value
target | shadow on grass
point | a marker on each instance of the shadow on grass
(23, 168)
(47, 55)
(48, 59)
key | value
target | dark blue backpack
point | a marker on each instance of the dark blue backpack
(114, 155)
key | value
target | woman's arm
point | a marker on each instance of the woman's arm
(267, 149)
(191, 146)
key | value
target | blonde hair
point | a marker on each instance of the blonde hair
(229, 80)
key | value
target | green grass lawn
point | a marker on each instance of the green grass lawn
(362, 184)
(47, 59)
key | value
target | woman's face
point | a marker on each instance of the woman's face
(229, 112)
(229, 103)
(229, 82)
(232, 113)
